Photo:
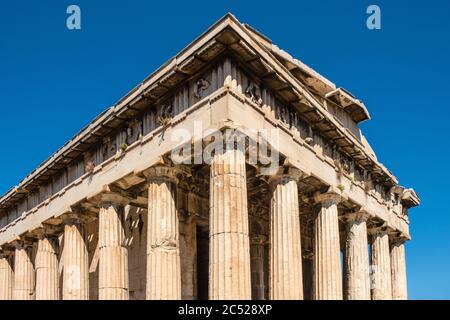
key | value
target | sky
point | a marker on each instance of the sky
(54, 81)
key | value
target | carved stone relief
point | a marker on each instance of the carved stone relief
(200, 87)
(254, 93)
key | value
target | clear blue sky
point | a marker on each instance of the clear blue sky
(54, 81)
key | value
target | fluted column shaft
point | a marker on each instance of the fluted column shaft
(257, 267)
(356, 262)
(24, 278)
(163, 248)
(381, 266)
(75, 259)
(113, 255)
(327, 281)
(229, 248)
(286, 281)
(6, 278)
(398, 269)
(47, 276)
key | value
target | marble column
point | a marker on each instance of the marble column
(398, 269)
(381, 265)
(327, 282)
(75, 260)
(113, 281)
(286, 281)
(257, 266)
(24, 277)
(356, 261)
(6, 277)
(47, 267)
(229, 247)
(163, 247)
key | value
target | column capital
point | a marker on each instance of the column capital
(112, 198)
(162, 173)
(380, 230)
(45, 230)
(21, 243)
(398, 240)
(6, 252)
(286, 172)
(357, 215)
(74, 218)
(332, 196)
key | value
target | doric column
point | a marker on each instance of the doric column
(113, 281)
(75, 260)
(286, 281)
(398, 269)
(229, 248)
(24, 278)
(381, 265)
(356, 261)
(47, 276)
(327, 260)
(257, 266)
(163, 248)
(6, 276)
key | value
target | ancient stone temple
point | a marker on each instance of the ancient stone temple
(289, 203)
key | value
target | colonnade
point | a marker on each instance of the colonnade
(380, 275)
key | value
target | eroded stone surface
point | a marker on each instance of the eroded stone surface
(398, 269)
(286, 255)
(24, 276)
(229, 256)
(75, 261)
(327, 260)
(47, 269)
(356, 262)
(381, 266)
(163, 247)
(6, 277)
(113, 255)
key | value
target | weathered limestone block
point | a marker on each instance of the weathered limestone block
(398, 269)
(163, 249)
(286, 281)
(47, 275)
(381, 265)
(356, 261)
(113, 255)
(24, 278)
(6, 277)
(75, 259)
(229, 248)
(327, 260)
